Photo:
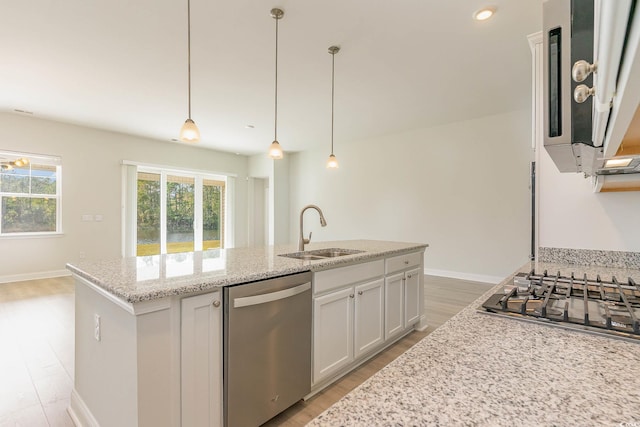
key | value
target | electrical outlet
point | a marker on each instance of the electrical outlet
(96, 327)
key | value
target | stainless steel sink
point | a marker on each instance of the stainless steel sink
(303, 256)
(321, 254)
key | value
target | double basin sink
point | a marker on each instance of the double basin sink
(321, 254)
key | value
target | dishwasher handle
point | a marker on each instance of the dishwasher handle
(273, 296)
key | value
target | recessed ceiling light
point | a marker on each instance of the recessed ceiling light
(23, 111)
(250, 126)
(617, 163)
(484, 13)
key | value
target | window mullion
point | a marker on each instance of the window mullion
(197, 214)
(163, 212)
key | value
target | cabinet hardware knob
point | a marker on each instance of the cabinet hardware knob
(406, 262)
(409, 276)
(351, 296)
(359, 292)
(216, 303)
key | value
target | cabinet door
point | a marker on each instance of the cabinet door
(201, 364)
(394, 305)
(332, 332)
(412, 297)
(369, 316)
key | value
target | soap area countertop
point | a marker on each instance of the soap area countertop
(136, 279)
(482, 370)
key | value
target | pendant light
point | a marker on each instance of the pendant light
(275, 150)
(332, 163)
(189, 131)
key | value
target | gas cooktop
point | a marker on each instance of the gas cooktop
(589, 304)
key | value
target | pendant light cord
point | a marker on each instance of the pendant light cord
(275, 126)
(189, 50)
(333, 68)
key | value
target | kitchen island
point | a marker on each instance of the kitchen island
(149, 329)
(482, 370)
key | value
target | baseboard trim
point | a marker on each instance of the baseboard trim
(422, 325)
(79, 412)
(34, 276)
(464, 276)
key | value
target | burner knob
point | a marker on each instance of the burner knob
(581, 70)
(582, 93)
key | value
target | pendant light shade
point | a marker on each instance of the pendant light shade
(189, 131)
(275, 150)
(332, 163)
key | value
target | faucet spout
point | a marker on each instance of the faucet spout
(323, 222)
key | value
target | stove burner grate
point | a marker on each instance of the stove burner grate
(606, 306)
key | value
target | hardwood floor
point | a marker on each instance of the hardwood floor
(37, 350)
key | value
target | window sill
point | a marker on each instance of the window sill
(30, 235)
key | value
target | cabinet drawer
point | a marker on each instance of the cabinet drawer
(401, 262)
(338, 277)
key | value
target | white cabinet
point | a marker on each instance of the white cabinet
(201, 360)
(403, 293)
(348, 316)
(346, 324)
(412, 297)
(394, 305)
(402, 302)
(369, 319)
(332, 332)
(359, 309)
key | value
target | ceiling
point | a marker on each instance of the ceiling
(121, 65)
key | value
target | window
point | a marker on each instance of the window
(148, 214)
(213, 195)
(178, 211)
(29, 194)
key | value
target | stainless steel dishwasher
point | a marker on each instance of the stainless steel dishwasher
(267, 348)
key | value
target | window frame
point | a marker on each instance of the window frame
(199, 178)
(38, 159)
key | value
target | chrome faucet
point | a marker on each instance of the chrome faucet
(302, 241)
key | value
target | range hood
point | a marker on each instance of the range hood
(599, 137)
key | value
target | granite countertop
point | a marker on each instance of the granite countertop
(482, 370)
(137, 279)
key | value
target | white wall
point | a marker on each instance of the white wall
(462, 188)
(573, 216)
(276, 172)
(91, 179)
(281, 202)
